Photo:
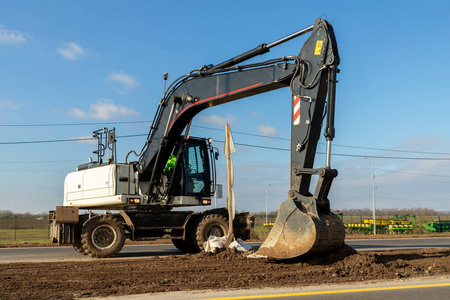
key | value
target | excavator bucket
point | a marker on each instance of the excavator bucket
(296, 233)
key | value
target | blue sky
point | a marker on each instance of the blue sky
(102, 62)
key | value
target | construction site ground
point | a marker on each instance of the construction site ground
(206, 271)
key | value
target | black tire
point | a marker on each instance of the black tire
(79, 248)
(185, 246)
(103, 236)
(77, 244)
(213, 224)
(189, 243)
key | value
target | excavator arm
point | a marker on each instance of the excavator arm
(200, 93)
(304, 223)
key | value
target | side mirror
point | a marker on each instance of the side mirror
(216, 155)
(112, 136)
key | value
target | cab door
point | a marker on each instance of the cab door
(197, 169)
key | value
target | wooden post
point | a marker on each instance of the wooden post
(230, 184)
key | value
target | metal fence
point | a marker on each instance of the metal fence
(385, 224)
(13, 230)
(419, 220)
(15, 223)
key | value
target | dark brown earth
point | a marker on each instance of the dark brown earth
(127, 242)
(225, 270)
(168, 241)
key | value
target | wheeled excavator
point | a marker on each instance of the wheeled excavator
(176, 170)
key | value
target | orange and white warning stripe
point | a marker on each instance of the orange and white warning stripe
(297, 111)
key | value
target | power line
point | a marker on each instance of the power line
(202, 127)
(413, 173)
(392, 199)
(243, 133)
(320, 143)
(239, 144)
(392, 171)
(389, 157)
(65, 140)
(342, 154)
(397, 199)
(40, 170)
(46, 141)
(72, 124)
(390, 150)
(38, 161)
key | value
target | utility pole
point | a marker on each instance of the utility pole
(267, 189)
(373, 180)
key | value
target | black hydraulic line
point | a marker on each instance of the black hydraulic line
(290, 37)
(329, 130)
(261, 49)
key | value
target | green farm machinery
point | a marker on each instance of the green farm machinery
(394, 225)
(437, 226)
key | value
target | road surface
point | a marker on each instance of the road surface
(50, 254)
(416, 289)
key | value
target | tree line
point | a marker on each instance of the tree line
(7, 214)
(418, 211)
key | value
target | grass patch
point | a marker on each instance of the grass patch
(20, 236)
(261, 230)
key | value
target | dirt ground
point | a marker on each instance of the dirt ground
(225, 270)
(168, 241)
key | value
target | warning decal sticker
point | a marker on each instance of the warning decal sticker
(297, 111)
(319, 45)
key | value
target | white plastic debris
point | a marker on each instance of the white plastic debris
(254, 255)
(214, 242)
(240, 246)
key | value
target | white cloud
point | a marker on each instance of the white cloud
(267, 130)
(86, 139)
(8, 36)
(421, 143)
(8, 105)
(128, 81)
(104, 109)
(71, 51)
(216, 120)
(256, 114)
(77, 113)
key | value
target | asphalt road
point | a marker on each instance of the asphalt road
(50, 254)
(416, 289)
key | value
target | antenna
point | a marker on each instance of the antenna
(166, 75)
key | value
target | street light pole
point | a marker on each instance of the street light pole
(373, 180)
(267, 189)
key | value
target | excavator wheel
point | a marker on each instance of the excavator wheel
(189, 243)
(296, 233)
(103, 236)
(185, 246)
(77, 244)
(213, 224)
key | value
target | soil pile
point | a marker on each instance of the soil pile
(203, 271)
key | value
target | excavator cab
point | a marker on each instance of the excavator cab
(198, 180)
(192, 172)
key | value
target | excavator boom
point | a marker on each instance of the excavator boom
(305, 223)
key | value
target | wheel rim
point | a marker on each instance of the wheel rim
(215, 230)
(104, 237)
